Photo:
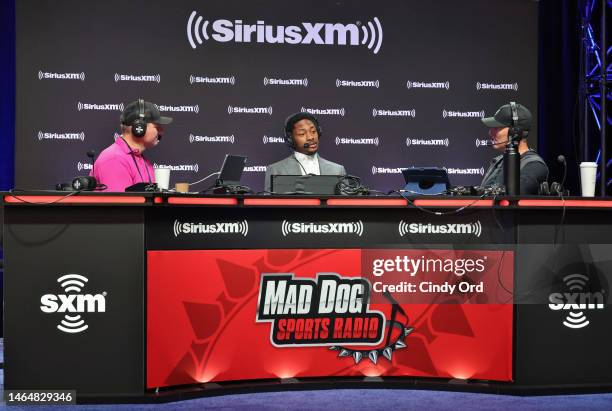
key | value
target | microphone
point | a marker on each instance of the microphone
(561, 159)
(307, 145)
(92, 155)
(159, 137)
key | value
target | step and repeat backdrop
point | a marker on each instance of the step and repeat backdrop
(394, 84)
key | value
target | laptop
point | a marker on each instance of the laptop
(426, 180)
(308, 184)
(231, 170)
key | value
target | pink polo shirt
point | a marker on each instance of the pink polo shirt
(119, 167)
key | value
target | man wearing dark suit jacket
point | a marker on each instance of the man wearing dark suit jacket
(302, 133)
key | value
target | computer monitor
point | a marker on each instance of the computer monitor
(426, 180)
(231, 170)
(308, 184)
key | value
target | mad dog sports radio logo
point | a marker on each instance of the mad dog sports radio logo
(73, 303)
(578, 301)
(368, 34)
(330, 311)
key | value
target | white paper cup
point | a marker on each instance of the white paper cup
(588, 175)
(162, 178)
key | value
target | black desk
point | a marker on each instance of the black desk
(171, 288)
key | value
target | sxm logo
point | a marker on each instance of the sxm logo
(577, 301)
(73, 303)
(368, 34)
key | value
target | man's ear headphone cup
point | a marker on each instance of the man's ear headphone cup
(139, 128)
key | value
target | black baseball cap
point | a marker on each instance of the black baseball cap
(151, 114)
(503, 117)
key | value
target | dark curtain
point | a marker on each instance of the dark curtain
(7, 94)
(558, 75)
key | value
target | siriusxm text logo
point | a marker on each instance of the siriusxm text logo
(369, 141)
(238, 227)
(349, 227)
(46, 75)
(482, 142)
(387, 170)
(250, 110)
(73, 303)
(254, 169)
(462, 114)
(100, 107)
(376, 112)
(324, 111)
(405, 228)
(180, 109)
(576, 301)
(43, 135)
(359, 83)
(211, 139)
(179, 167)
(369, 34)
(273, 139)
(84, 166)
(428, 142)
(423, 84)
(285, 82)
(231, 81)
(465, 171)
(142, 78)
(497, 86)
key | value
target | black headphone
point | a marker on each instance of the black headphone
(515, 133)
(294, 118)
(139, 126)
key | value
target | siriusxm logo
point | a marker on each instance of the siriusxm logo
(285, 82)
(255, 169)
(102, 107)
(434, 84)
(428, 142)
(150, 78)
(462, 114)
(349, 227)
(497, 86)
(465, 171)
(239, 227)
(371, 141)
(231, 81)
(271, 139)
(211, 139)
(405, 228)
(180, 109)
(61, 136)
(179, 167)
(361, 83)
(325, 111)
(249, 110)
(386, 170)
(576, 301)
(393, 113)
(84, 166)
(73, 303)
(45, 75)
(369, 34)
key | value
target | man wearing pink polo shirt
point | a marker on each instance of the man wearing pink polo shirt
(122, 164)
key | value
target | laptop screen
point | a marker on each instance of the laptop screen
(231, 170)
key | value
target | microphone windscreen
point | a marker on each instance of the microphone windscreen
(561, 158)
(91, 153)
